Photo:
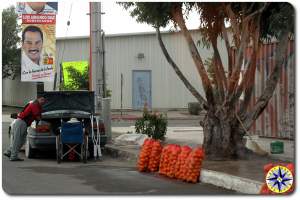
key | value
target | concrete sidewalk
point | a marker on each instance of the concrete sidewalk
(245, 176)
(181, 114)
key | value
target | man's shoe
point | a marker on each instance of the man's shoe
(7, 154)
(16, 159)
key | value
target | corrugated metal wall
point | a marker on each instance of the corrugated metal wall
(16, 93)
(121, 57)
(278, 119)
(167, 90)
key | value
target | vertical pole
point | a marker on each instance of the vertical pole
(103, 65)
(96, 55)
(121, 94)
(90, 58)
(55, 79)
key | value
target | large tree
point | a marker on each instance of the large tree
(11, 52)
(239, 25)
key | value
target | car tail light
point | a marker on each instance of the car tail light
(42, 128)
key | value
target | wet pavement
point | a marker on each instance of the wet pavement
(252, 168)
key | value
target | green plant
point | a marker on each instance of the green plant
(152, 124)
(78, 80)
(108, 93)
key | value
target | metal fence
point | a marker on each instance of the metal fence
(278, 119)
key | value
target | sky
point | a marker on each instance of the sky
(115, 20)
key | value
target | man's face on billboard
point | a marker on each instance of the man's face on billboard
(37, 6)
(32, 45)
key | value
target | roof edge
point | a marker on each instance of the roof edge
(124, 34)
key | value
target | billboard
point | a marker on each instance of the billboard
(37, 8)
(38, 52)
(38, 41)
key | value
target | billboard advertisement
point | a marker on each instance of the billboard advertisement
(38, 52)
(37, 8)
(38, 41)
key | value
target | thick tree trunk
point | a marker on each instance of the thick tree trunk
(222, 139)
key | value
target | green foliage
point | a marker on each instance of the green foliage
(276, 18)
(108, 93)
(11, 53)
(157, 14)
(209, 66)
(78, 80)
(152, 124)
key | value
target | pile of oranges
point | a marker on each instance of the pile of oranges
(145, 155)
(155, 156)
(172, 160)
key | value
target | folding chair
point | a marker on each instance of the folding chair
(71, 135)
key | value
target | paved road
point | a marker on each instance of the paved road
(109, 176)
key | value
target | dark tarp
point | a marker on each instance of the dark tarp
(69, 100)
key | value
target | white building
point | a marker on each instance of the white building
(147, 74)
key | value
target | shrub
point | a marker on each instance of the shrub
(152, 124)
(194, 108)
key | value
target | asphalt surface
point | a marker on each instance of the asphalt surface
(110, 176)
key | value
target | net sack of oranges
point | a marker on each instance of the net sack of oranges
(164, 160)
(145, 155)
(180, 165)
(155, 155)
(172, 160)
(192, 166)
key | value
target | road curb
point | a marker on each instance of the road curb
(239, 184)
(119, 153)
(220, 179)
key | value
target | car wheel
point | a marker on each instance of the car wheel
(29, 151)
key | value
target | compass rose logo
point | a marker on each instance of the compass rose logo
(279, 179)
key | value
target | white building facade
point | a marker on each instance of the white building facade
(146, 73)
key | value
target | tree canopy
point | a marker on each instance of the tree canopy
(11, 52)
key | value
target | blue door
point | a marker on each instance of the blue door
(141, 84)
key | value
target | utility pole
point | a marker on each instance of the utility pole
(97, 69)
(97, 75)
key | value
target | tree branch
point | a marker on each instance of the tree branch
(178, 18)
(247, 83)
(234, 24)
(250, 76)
(187, 84)
(233, 80)
(219, 64)
(271, 83)
(248, 17)
(227, 44)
